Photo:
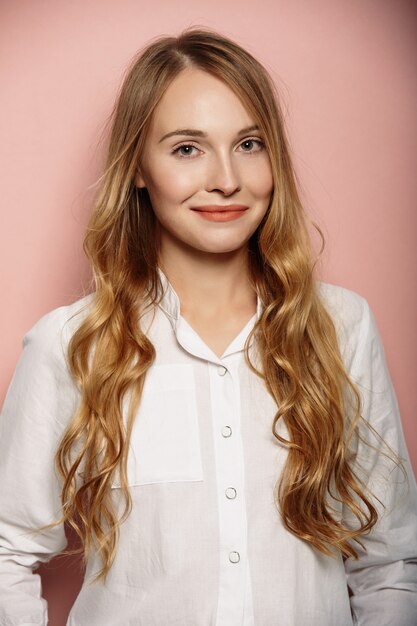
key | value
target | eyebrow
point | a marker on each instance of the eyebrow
(193, 132)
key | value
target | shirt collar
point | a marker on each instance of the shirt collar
(169, 303)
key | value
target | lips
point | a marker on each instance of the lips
(212, 208)
(220, 213)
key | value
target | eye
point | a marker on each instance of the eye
(251, 145)
(185, 150)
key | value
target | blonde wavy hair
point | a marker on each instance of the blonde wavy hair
(301, 364)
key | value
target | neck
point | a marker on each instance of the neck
(207, 283)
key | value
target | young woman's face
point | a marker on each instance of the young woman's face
(204, 151)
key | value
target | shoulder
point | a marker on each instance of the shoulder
(352, 317)
(52, 332)
(347, 308)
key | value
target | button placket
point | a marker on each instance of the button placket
(225, 400)
(234, 556)
(226, 432)
(230, 493)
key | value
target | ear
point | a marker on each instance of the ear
(139, 180)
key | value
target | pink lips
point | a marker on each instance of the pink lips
(220, 213)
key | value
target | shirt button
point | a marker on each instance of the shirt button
(234, 557)
(226, 431)
(230, 493)
(221, 370)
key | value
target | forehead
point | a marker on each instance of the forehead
(200, 100)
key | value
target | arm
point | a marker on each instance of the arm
(384, 579)
(40, 400)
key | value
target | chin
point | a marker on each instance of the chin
(221, 248)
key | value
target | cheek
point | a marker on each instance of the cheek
(259, 180)
(168, 190)
(173, 185)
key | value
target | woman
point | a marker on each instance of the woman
(226, 437)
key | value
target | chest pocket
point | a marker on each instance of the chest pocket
(165, 441)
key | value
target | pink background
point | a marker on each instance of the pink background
(346, 72)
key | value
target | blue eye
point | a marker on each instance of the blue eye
(184, 150)
(252, 145)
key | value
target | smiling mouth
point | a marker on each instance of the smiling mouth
(213, 208)
(220, 214)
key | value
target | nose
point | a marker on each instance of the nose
(222, 175)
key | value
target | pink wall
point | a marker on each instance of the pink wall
(347, 76)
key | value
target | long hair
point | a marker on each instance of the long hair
(109, 354)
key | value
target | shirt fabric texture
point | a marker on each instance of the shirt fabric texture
(204, 544)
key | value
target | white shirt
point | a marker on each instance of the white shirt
(204, 544)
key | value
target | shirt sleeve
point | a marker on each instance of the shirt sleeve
(383, 581)
(39, 402)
